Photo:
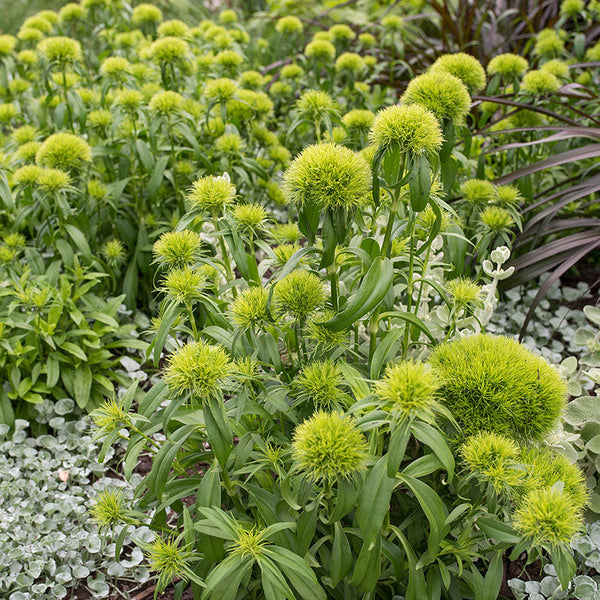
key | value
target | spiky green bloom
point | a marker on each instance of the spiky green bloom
(558, 68)
(414, 128)
(198, 370)
(111, 416)
(27, 175)
(113, 252)
(299, 294)
(408, 388)
(288, 233)
(184, 284)
(53, 180)
(115, 66)
(508, 195)
(393, 22)
(211, 194)
(30, 34)
(322, 36)
(289, 25)
(251, 308)
(96, 189)
(593, 54)
(329, 447)
(173, 28)
(229, 58)
(28, 151)
(320, 384)
(464, 66)
(8, 112)
(252, 79)
(496, 219)
(7, 44)
(18, 86)
(322, 50)
(64, 151)
(495, 384)
(99, 118)
(358, 120)
(292, 71)
(328, 175)
(548, 43)
(464, 292)
(228, 17)
(546, 516)
(168, 50)
(109, 509)
(220, 90)
(571, 8)
(60, 49)
(350, 62)
(230, 143)
(146, 13)
(493, 458)
(129, 100)
(315, 103)
(27, 57)
(478, 192)
(71, 12)
(166, 103)
(547, 468)
(169, 561)
(280, 89)
(324, 336)
(249, 217)
(177, 249)
(341, 33)
(283, 253)
(7, 256)
(279, 154)
(443, 94)
(540, 83)
(14, 240)
(37, 22)
(247, 105)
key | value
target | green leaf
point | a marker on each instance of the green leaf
(431, 437)
(219, 433)
(367, 570)
(80, 241)
(397, 447)
(566, 568)
(419, 183)
(493, 578)
(82, 385)
(341, 555)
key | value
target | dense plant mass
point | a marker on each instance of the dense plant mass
(264, 247)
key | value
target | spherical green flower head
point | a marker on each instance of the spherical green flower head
(64, 151)
(508, 195)
(341, 33)
(27, 57)
(230, 143)
(443, 94)
(27, 175)
(249, 217)
(496, 218)
(108, 509)
(546, 468)
(493, 458)
(8, 112)
(173, 28)
(299, 294)
(53, 180)
(37, 22)
(146, 13)
(559, 68)
(507, 65)
(99, 118)
(168, 560)
(495, 384)
(547, 516)
(328, 175)
(289, 25)
(464, 292)
(288, 233)
(571, 8)
(220, 90)
(211, 194)
(60, 49)
(168, 49)
(393, 22)
(130, 99)
(166, 103)
(198, 370)
(7, 44)
(113, 252)
(540, 83)
(292, 71)
(408, 388)
(548, 43)
(319, 383)
(478, 191)
(414, 128)
(315, 103)
(358, 120)
(184, 284)
(349, 62)
(251, 308)
(464, 66)
(320, 50)
(328, 447)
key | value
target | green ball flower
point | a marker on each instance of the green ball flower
(540, 83)
(443, 94)
(414, 128)
(319, 383)
(464, 66)
(349, 62)
(109, 509)
(289, 25)
(146, 13)
(341, 33)
(130, 100)
(358, 120)
(285, 233)
(495, 384)
(548, 43)
(168, 50)
(299, 294)
(249, 217)
(27, 175)
(211, 194)
(315, 103)
(60, 49)
(493, 458)
(557, 67)
(572, 8)
(496, 219)
(478, 192)
(184, 284)
(64, 151)
(320, 50)
(7, 44)
(546, 516)
(408, 388)
(198, 370)
(228, 17)
(99, 118)
(392, 22)
(328, 447)
(166, 103)
(508, 65)
(173, 28)
(115, 66)
(230, 143)
(168, 561)
(464, 292)
(367, 40)
(24, 134)
(328, 175)
(292, 71)
(53, 180)
(113, 252)
(508, 195)
(251, 308)
(220, 90)
(8, 112)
